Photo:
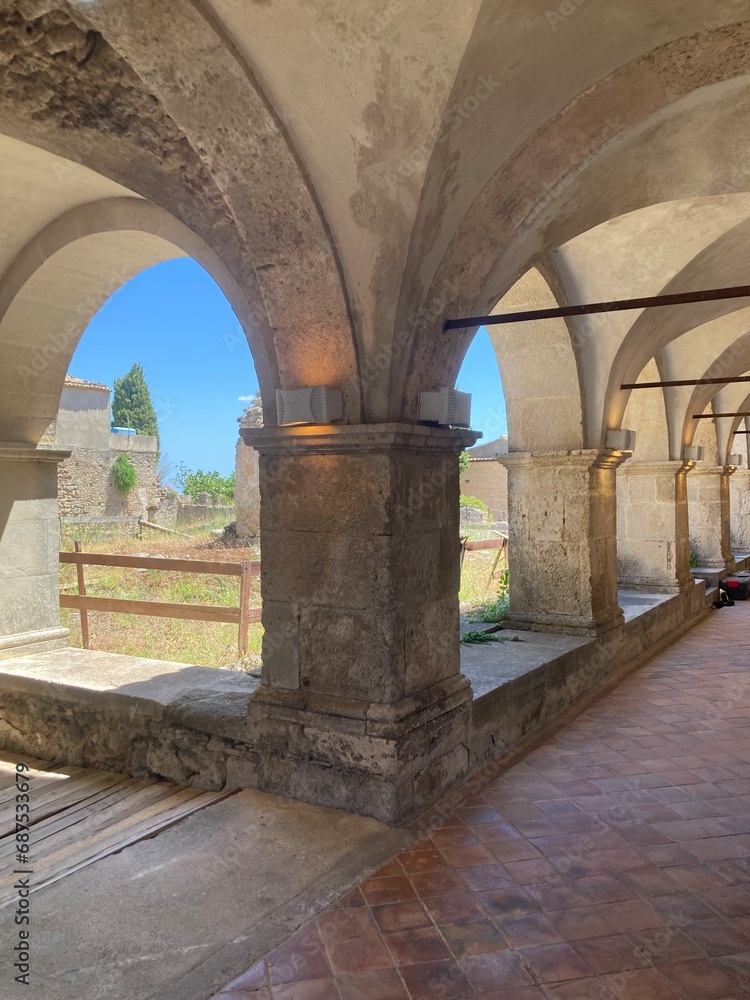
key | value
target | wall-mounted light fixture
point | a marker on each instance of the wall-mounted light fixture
(692, 454)
(316, 404)
(622, 440)
(446, 408)
(735, 460)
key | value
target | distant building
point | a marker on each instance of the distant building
(486, 479)
(86, 486)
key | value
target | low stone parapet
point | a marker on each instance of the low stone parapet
(193, 725)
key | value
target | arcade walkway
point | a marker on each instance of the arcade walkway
(611, 863)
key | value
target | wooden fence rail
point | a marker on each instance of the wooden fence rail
(242, 615)
(500, 543)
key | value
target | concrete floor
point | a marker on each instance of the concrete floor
(176, 917)
(611, 863)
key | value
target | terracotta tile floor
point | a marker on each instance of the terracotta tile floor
(611, 863)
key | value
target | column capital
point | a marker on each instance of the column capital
(599, 458)
(337, 439)
(668, 466)
(710, 470)
(20, 451)
(675, 467)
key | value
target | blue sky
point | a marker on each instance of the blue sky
(175, 320)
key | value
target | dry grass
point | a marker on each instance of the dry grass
(207, 644)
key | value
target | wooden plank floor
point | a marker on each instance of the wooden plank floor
(80, 815)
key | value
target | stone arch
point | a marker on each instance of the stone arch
(155, 118)
(646, 414)
(539, 370)
(720, 264)
(103, 244)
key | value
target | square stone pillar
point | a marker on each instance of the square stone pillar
(653, 534)
(362, 704)
(29, 547)
(246, 491)
(708, 501)
(562, 524)
(739, 511)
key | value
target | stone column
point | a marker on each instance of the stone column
(247, 492)
(739, 511)
(708, 499)
(562, 524)
(29, 547)
(653, 534)
(362, 704)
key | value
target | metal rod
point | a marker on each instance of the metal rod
(685, 381)
(618, 305)
(710, 416)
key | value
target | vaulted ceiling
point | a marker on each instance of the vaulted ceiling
(352, 174)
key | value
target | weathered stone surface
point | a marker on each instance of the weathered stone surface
(653, 550)
(387, 761)
(563, 542)
(708, 497)
(739, 511)
(29, 543)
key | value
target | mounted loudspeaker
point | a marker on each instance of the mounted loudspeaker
(316, 404)
(622, 440)
(446, 408)
(735, 460)
(693, 453)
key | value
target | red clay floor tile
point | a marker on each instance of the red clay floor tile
(613, 863)
(436, 979)
(610, 954)
(700, 980)
(381, 984)
(418, 945)
(504, 970)
(477, 938)
(643, 984)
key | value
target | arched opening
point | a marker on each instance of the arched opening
(174, 322)
(76, 240)
(484, 487)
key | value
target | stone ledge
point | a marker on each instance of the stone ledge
(214, 701)
(39, 641)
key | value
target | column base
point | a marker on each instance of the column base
(565, 624)
(386, 761)
(26, 643)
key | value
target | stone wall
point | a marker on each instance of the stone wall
(83, 418)
(191, 724)
(191, 515)
(86, 487)
(487, 480)
(247, 483)
(247, 491)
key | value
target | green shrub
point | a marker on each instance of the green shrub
(463, 463)
(195, 482)
(476, 504)
(693, 560)
(495, 611)
(123, 473)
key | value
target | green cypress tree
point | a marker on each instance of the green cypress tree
(131, 403)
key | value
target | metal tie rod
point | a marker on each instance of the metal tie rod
(621, 305)
(685, 381)
(710, 416)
